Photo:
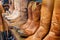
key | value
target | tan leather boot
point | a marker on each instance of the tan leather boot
(46, 13)
(36, 19)
(54, 33)
(31, 28)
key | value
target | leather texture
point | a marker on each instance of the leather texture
(54, 33)
(35, 22)
(46, 16)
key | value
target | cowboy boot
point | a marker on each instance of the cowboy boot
(47, 7)
(35, 20)
(29, 16)
(29, 19)
(54, 33)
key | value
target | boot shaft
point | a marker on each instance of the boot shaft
(46, 16)
(30, 10)
(1, 24)
(55, 26)
(36, 11)
(46, 13)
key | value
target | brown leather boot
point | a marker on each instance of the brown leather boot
(31, 28)
(36, 19)
(46, 13)
(29, 16)
(54, 33)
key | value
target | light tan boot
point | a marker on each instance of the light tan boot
(35, 20)
(54, 33)
(46, 15)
